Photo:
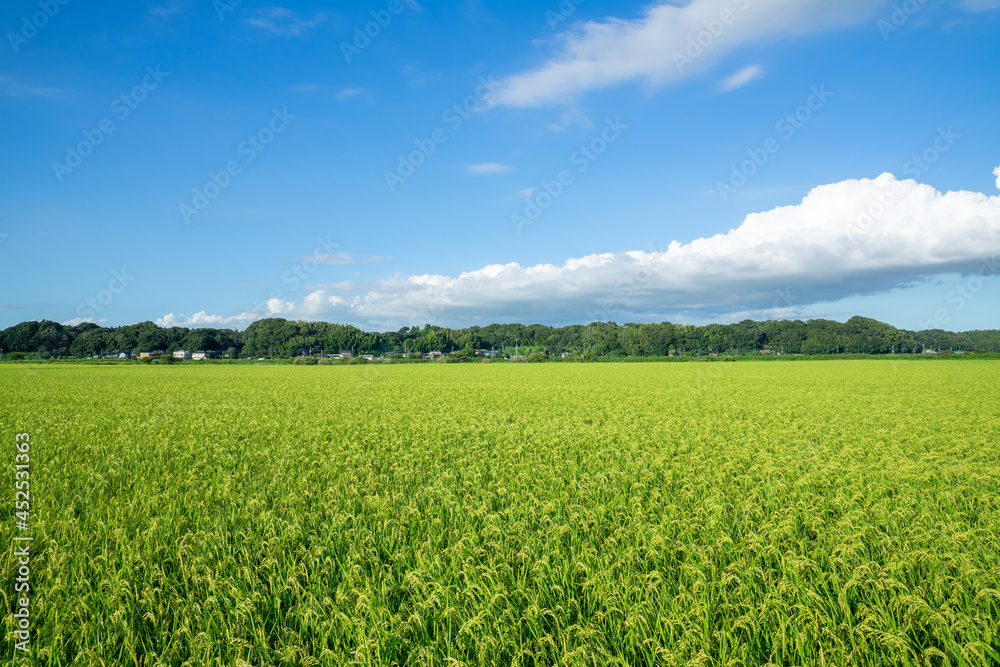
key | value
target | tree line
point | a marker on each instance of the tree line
(276, 337)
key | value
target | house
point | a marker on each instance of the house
(566, 355)
(346, 353)
(199, 356)
(434, 355)
(368, 357)
(930, 351)
(124, 355)
(182, 354)
(147, 355)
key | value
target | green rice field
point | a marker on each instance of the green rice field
(739, 514)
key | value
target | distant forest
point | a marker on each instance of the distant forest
(283, 338)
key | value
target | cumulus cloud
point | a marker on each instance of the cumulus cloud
(669, 43)
(488, 168)
(996, 172)
(273, 308)
(742, 78)
(205, 320)
(852, 238)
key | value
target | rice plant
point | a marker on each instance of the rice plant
(814, 513)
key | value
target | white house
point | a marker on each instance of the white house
(199, 356)
(182, 354)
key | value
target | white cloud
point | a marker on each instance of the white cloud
(853, 238)
(669, 43)
(279, 307)
(742, 78)
(273, 308)
(203, 319)
(488, 168)
(996, 172)
(527, 192)
(284, 22)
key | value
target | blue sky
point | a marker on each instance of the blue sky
(200, 163)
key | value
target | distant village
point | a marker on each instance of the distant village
(205, 355)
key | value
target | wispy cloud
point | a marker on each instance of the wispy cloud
(416, 78)
(742, 78)
(488, 169)
(14, 88)
(167, 10)
(284, 22)
(656, 48)
(981, 5)
(40, 92)
(338, 258)
(348, 93)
